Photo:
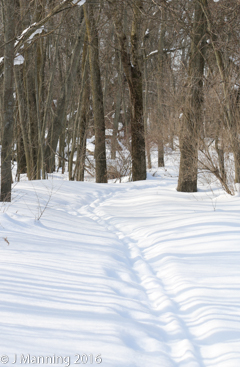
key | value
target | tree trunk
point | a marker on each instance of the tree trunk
(132, 69)
(83, 125)
(21, 157)
(97, 94)
(8, 8)
(232, 117)
(161, 91)
(32, 110)
(55, 132)
(49, 98)
(118, 100)
(21, 102)
(145, 102)
(81, 152)
(192, 115)
(81, 106)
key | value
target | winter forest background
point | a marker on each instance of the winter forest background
(132, 76)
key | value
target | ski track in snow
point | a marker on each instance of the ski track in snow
(165, 310)
(166, 289)
(160, 305)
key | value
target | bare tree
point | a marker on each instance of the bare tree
(97, 94)
(132, 66)
(192, 113)
(8, 9)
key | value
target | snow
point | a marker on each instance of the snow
(23, 32)
(90, 144)
(19, 59)
(38, 31)
(137, 272)
(109, 132)
(79, 3)
(41, 28)
(152, 53)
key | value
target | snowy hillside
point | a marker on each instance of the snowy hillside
(135, 272)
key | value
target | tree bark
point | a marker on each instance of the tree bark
(192, 114)
(97, 94)
(132, 69)
(8, 8)
(81, 151)
(231, 117)
(18, 75)
(145, 108)
(161, 90)
(81, 107)
(118, 100)
(54, 133)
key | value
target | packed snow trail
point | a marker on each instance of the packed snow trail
(160, 306)
(136, 272)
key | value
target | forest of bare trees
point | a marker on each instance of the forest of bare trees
(158, 74)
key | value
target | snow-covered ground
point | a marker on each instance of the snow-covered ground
(135, 272)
